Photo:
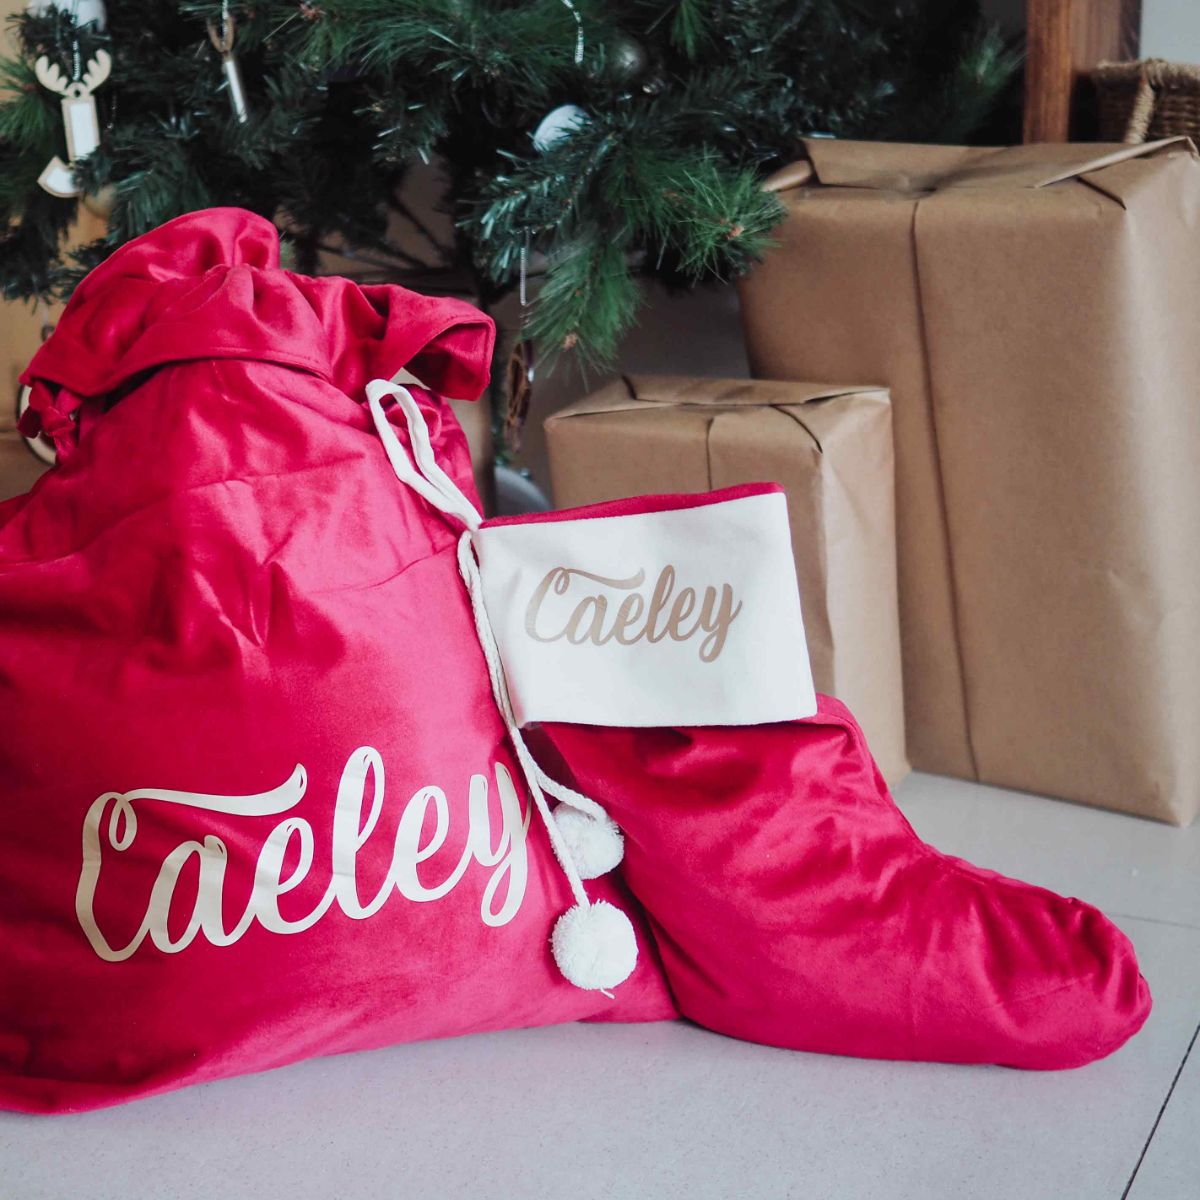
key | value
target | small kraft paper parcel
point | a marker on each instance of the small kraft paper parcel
(829, 446)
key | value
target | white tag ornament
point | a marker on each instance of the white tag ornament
(79, 117)
(650, 612)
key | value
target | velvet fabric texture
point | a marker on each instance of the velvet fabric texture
(256, 798)
(794, 905)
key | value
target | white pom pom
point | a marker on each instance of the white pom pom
(595, 947)
(596, 844)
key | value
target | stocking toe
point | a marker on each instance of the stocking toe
(1017, 975)
(1100, 1006)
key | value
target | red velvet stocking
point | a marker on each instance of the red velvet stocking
(794, 905)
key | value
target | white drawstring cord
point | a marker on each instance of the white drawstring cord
(426, 477)
(593, 944)
(468, 568)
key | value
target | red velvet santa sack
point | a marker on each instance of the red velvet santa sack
(258, 801)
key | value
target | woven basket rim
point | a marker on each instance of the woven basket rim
(1158, 72)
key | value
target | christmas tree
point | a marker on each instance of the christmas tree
(584, 143)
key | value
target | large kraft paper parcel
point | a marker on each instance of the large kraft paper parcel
(20, 329)
(1034, 312)
(831, 449)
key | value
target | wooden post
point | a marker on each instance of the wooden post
(1064, 39)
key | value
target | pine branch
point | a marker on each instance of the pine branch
(715, 221)
(157, 180)
(28, 118)
(28, 251)
(407, 127)
(688, 26)
(588, 298)
(345, 95)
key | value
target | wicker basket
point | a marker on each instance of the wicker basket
(1147, 100)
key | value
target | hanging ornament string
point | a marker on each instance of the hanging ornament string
(518, 374)
(524, 295)
(222, 39)
(578, 31)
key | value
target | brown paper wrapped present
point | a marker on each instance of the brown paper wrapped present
(22, 328)
(20, 336)
(831, 449)
(18, 466)
(1033, 311)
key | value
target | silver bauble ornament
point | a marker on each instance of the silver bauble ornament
(627, 58)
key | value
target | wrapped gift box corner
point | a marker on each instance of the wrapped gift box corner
(22, 328)
(20, 467)
(1032, 311)
(829, 446)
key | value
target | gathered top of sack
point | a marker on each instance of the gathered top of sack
(209, 285)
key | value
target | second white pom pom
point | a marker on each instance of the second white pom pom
(595, 843)
(594, 946)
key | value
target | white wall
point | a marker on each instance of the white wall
(1171, 30)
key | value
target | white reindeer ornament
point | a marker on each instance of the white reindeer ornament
(79, 116)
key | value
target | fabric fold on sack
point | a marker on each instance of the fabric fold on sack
(209, 285)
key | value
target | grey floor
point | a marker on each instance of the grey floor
(643, 1112)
